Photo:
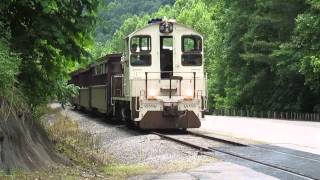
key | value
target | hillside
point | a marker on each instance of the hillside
(112, 14)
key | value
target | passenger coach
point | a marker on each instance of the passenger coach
(158, 83)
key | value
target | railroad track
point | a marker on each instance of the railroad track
(288, 163)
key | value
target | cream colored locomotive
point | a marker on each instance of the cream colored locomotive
(161, 83)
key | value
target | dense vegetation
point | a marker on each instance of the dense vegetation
(41, 40)
(260, 55)
(112, 14)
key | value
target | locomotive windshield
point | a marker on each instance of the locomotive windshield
(191, 50)
(140, 47)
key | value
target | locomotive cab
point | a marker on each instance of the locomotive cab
(163, 78)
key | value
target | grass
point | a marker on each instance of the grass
(82, 148)
(119, 171)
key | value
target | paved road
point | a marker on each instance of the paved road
(218, 170)
(299, 135)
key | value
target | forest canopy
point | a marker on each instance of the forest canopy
(260, 55)
(41, 40)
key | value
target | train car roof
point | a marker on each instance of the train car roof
(157, 24)
(104, 59)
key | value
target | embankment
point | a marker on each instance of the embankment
(24, 144)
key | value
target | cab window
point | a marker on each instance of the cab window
(191, 44)
(140, 44)
(191, 50)
(140, 48)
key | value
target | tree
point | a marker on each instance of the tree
(270, 25)
(112, 15)
(304, 49)
(9, 68)
(307, 42)
(51, 37)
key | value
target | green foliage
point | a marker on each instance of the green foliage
(113, 13)
(117, 19)
(65, 91)
(260, 55)
(306, 42)
(252, 65)
(9, 68)
(52, 37)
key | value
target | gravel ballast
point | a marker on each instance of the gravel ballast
(128, 146)
(158, 158)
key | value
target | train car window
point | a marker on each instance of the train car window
(100, 69)
(140, 47)
(191, 44)
(191, 50)
(140, 44)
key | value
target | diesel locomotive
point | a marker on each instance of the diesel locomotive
(158, 82)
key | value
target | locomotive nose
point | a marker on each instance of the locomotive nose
(171, 110)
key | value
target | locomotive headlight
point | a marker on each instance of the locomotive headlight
(166, 27)
(188, 94)
(152, 93)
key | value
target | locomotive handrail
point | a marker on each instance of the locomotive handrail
(205, 99)
(170, 72)
(194, 84)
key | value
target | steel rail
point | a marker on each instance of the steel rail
(216, 139)
(211, 149)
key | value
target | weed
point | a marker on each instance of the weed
(82, 148)
(119, 171)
